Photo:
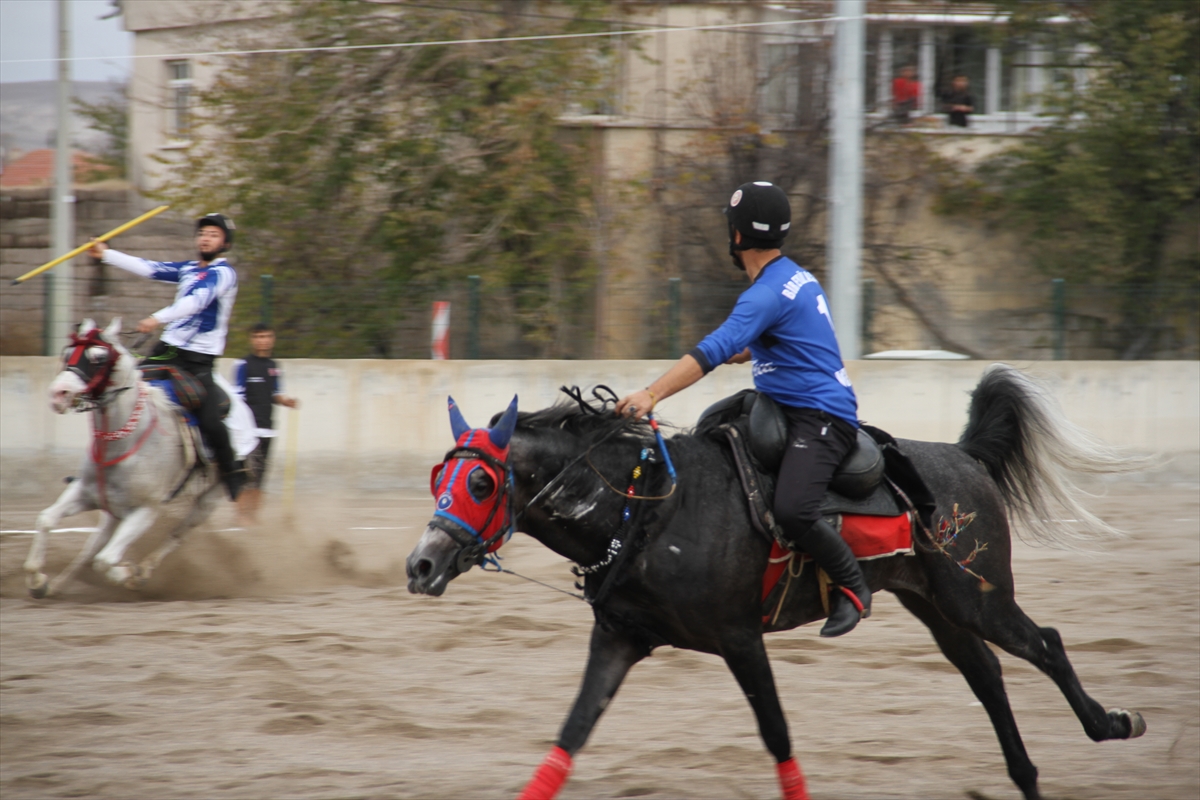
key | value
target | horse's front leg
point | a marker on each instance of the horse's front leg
(72, 501)
(746, 656)
(108, 561)
(97, 539)
(610, 657)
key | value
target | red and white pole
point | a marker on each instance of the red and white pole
(441, 331)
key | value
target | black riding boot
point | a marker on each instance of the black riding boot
(216, 435)
(833, 555)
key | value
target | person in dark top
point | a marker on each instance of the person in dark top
(260, 383)
(958, 101)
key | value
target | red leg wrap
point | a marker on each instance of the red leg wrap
(791, 780)
(551, 776)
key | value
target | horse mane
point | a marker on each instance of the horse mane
(590, 426)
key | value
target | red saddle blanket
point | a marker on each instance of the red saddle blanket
(868, 537)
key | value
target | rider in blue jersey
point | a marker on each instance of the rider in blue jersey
(781, 324)
(196, 324)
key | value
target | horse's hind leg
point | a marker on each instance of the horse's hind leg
(746, 657)
(1001, 621)
(981, 668)
(146, 567)
(72, 501)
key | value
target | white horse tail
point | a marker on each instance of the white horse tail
(1021, 436)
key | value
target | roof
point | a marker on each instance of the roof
(36, 168)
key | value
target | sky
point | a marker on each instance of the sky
(29, 29)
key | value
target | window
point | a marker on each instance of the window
(179, 98)
(962, 51)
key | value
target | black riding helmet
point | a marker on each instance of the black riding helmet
(219, 221)
(760, 211)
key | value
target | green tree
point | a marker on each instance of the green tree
(1115, 177)
(109, 116)
(365, 180)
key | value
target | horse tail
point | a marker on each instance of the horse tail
(1021, 436)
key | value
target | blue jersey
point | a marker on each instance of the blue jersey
(198, 320)
(784, 319)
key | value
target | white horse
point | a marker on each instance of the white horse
(141, 466)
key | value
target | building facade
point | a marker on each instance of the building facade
(699, 68)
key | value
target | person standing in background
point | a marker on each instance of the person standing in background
(959, 102)
(906, 94)
(260, 383)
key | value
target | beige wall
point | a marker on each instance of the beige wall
(396, 410)
(171, 29)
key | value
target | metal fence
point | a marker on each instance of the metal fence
(665, 318)
(657, 318)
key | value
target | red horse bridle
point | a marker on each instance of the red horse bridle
(95, 372)
(473, 487)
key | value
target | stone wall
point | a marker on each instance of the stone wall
(101, 292)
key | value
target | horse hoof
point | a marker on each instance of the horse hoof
(136, 581)
(1137, 724)
(119, 574)
(39, 587)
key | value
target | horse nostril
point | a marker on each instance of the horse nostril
(424, 567)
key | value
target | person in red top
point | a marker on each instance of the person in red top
(906, 94)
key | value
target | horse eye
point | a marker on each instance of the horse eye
(480, 485)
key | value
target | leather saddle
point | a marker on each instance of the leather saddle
(756, 430)
(183, 387)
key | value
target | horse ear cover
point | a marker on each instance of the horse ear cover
(503, 430)
(458, 425)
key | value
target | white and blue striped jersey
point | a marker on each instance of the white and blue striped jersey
(198, 320)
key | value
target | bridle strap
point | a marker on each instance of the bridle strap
(102, 438)
(477, 550)
(98, 382)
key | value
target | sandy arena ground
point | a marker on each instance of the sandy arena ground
(289, 661)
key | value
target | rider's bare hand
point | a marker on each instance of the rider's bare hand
(636, 405)
(148, 325)
(97, 249)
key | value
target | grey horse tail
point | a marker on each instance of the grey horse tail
(1019, 434)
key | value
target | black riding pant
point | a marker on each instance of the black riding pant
(212, 427)
(817, 444)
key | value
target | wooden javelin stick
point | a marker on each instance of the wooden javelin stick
(84, 247)
(289, 462)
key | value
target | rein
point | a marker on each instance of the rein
(101, 438)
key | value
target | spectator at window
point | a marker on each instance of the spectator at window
(906, 94)
(958, 101)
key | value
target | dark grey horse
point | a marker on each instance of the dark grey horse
(695, 582)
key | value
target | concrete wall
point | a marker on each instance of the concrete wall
(377, 423)
(99, 292)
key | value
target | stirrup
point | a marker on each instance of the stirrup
(847, 625)
(863, 611)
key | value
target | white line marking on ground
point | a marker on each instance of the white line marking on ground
(56, 530)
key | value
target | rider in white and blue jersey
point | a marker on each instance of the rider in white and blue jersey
(196, 323)
(781, 324)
